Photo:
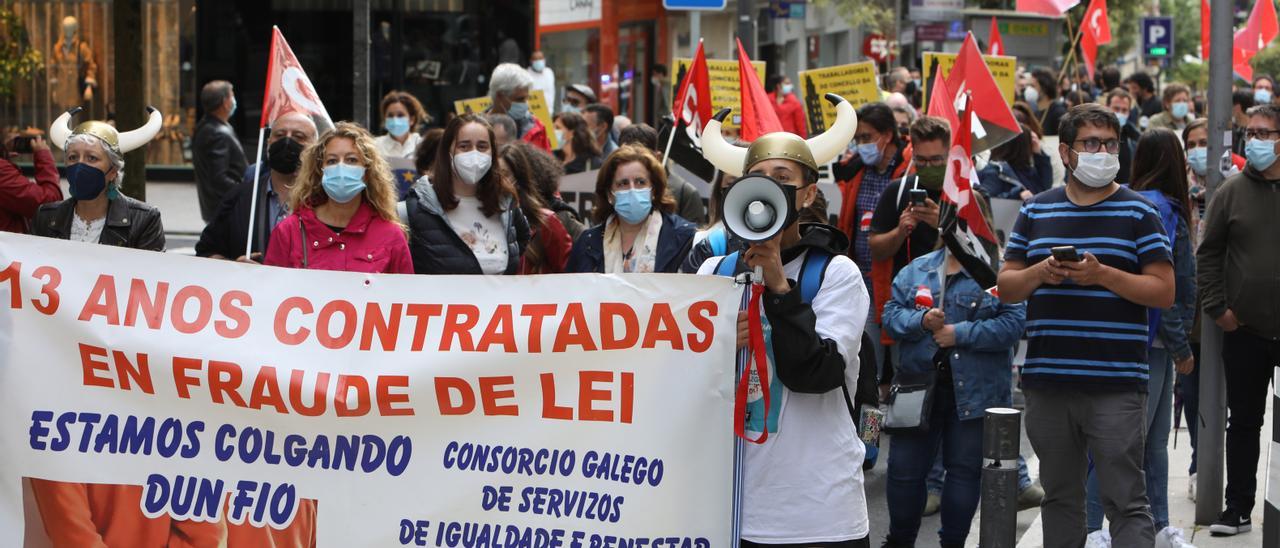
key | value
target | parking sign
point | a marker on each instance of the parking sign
(1157, 37)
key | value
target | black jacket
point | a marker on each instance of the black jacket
(437, 248)
(130, 223)
(674, 241)
(227, 231)
(218, 161)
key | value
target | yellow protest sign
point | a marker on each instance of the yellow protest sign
(726, 88)
(1003, 68)
(855, 82)
(537, 105)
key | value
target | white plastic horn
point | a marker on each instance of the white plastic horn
(726, 157)
(132, 140)
(60, 131)
(832, 142)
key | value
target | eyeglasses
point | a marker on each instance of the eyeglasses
(1094, 144)
(572, 101)
(1264, 134)
(630, 184)
(931, 161)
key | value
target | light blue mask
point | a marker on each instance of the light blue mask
(343, 182)
(233, 107)
(519, 111)
(566, 107)
(870, 154)
(1124, 119)
(1261, 154)
(1198, 159)
(633, 205)
(397, 126)
(1261, 96)
(1179, 110)
(787, 89)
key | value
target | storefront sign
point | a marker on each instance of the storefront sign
(537, 105)
(564, 12)
(933, 32)
(855, 82)
(935, 10)
(726, 87)
(147, 398)
(1003, 68)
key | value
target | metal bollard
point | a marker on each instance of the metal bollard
(1001, 438)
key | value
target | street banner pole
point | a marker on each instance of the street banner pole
(253, 202)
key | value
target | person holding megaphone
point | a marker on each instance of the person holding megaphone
(802, 475)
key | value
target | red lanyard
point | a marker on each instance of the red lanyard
(755, 353)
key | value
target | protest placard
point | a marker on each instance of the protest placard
(855, 82)
(537, 106)
(726, 88)
(1003, 68)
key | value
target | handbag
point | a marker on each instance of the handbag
(910, 402)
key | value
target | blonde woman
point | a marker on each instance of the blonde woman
(344, 210)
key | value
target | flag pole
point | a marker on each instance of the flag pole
(253, 202)
(1075, 43)
(666, 153)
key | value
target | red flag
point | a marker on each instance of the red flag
(995, 121)
(288, 88)
(758, 116)
(941, 100)
(995, 42)
(964, 228)
(1261, 28)
(1046, 7)
(1095, 31)
(693, 101)
(1204, 29)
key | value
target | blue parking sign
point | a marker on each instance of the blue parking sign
(1157, 37)
(694, 4)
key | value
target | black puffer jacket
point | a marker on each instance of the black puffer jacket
(130, 223)
(437, 248)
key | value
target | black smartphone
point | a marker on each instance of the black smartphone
(1065, 254)
(918, 196)
(21, 145)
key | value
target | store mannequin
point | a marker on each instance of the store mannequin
(75, 70)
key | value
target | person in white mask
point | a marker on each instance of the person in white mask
(543, 77)
(1089, 258)
(464, 217)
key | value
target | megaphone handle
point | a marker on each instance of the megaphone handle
(757, 277)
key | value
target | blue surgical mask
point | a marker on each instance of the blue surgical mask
(343, 182)
(519, 111)
(1261, 154)
(634, 205)
(560, 137)
(397, 126)
(538, 65)
(1198, 159)
(1179, 109)
(566, 107)
(1261, 96)
(787, 89)
(870, 154)
(86, 182)
(233, 106)
(1124, 119)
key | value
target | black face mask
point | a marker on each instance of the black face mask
(284, 156)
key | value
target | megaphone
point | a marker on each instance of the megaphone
(756, 208)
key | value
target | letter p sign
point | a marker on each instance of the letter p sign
(1157, 37)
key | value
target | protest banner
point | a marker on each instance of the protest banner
(537, 106)
(148, 397)
(1003, 68)
(726, 87)
(855, 82)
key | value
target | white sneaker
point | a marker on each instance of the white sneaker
(1098, 539)
(1191, 488)
(1171, 537)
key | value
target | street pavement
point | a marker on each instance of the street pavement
(181, 216)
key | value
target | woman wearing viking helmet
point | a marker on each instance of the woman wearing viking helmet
(97, 212)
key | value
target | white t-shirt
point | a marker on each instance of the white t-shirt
(805, 484)
(484, 235)
(545, 81)
(391, 148)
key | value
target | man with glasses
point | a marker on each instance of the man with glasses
(903, 228)
(1237, 264)
(1089, 259)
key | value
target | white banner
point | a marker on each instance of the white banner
(148, 399)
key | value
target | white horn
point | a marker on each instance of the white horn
(726, 157)
(832, 142)
(60, 131)
(132, 140)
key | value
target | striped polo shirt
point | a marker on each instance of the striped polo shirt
(1087, 336)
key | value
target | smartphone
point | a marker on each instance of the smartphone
(1065, 254)
(21, 145)
(918, 196)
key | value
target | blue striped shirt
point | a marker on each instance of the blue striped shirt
(1086, 335)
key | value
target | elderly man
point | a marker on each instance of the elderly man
(509, 90)
(215, 152)
(224, 237)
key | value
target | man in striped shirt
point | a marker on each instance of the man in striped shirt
(1085, 376)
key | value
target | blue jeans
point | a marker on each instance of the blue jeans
(1156, 459)
(911, 457)
(937, 475)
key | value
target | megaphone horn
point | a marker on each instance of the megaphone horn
(757, 208)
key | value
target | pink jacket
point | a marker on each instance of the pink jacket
(367, 244)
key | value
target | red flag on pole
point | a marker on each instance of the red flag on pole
(995, 42)
(994, 122)
(1095, 31)
(758, 116)
(1204, 29)
(1046, 7)
(941, 100)
(288, 88)
(964, 227)
(693, 100)
(1261, 28)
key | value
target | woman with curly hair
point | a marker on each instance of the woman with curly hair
(344, 210)
(549, 242)
(545, 172)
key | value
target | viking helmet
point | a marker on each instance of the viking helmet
(811, 153)
(118, 142)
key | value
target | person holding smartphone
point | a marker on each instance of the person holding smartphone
(19, 196)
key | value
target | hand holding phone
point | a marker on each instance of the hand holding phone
(918, 196)
(1065, 254)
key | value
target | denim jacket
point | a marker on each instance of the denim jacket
(1176, 322)
(987, 331)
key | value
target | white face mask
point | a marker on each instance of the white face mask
(471, 166)
(1096, 169)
